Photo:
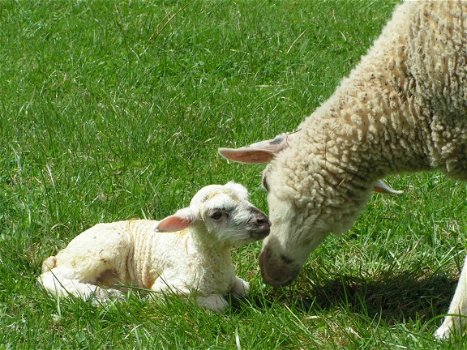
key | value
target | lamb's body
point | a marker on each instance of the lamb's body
(195, 259)
(134, 253)
(403, 108)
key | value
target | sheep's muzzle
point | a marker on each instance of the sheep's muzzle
(277, 270)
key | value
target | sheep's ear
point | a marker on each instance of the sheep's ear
(259, 152)
(176, 222)
(383, 187)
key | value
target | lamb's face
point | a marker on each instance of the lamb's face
(228, 216)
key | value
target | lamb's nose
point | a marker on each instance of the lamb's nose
(263, 224)
(262, 219)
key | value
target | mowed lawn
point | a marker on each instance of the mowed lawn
(115, 110)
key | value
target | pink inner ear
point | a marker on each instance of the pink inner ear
(245, 155)
(173, 223)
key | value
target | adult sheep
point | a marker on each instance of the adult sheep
(403, 108)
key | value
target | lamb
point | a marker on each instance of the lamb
(185, 253)
(403, 108)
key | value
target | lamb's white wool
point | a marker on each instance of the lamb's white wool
(403, 108)
(185, 253)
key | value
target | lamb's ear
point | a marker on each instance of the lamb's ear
(176, 222)
(259, 152)
(240, 190)
(383, 187)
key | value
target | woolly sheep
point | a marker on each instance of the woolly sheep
(185, 253)
(403, 108)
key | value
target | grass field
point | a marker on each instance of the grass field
(115, 110)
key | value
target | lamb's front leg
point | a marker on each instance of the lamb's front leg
(240, 287)
(164, 284)
(457, 313)
(213, 302)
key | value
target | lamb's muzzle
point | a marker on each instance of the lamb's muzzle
(260, 225)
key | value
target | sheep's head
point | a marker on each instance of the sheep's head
(220, 213)
(302, 210)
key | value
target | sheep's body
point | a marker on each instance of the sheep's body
(135, 253)
(403, 108)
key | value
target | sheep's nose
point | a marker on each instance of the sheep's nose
(277, 270)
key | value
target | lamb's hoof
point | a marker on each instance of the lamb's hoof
(241, 288)
(442, 333)
(214, 303)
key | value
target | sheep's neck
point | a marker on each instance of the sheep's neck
(370, 143)
(374, 124)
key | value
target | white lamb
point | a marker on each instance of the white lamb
(185, 253)
(403, 108)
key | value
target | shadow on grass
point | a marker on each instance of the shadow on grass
(394, 297)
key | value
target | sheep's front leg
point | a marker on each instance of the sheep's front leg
(214, 302)
(240, 287)
(457, 313)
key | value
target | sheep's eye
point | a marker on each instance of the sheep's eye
(216, 215)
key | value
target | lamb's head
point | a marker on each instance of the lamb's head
(304, 207)
(220, 214)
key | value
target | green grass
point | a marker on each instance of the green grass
(114, 110)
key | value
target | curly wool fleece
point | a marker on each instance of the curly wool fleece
(403, 108)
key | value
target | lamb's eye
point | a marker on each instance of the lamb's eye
(216, 215)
